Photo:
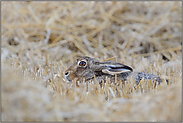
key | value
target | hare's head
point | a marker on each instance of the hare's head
(86, 67)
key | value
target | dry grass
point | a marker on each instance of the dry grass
(41, 39)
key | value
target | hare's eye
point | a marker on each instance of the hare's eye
(82, 63)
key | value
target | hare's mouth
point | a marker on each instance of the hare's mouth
(67, 76)
(68, 79)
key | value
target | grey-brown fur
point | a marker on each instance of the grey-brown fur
(108, 69)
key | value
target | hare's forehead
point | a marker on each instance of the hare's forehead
(88, 60)
(78, 60)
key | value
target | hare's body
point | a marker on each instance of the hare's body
(85, 68)
(137, 76)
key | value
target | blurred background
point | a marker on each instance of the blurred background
(67, 30)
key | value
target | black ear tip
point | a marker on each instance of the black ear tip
(129, 68)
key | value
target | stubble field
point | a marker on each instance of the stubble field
(40, 40)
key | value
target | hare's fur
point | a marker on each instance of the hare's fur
(85, 68)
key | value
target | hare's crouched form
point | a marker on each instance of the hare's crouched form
(85, 68)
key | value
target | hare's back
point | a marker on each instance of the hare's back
(138, 76)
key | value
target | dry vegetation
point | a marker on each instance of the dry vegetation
(41, 39)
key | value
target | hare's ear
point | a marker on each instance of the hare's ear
(115, 68)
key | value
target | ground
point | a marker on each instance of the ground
(40, 40)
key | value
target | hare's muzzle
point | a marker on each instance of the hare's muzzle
(67, 75)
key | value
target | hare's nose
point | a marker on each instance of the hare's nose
(67, 73)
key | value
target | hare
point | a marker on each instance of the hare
(85, 68)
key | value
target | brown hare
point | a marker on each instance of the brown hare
(85, 68)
